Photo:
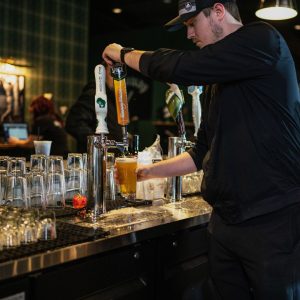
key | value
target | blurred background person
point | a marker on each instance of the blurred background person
(81, 120)
(46, 125)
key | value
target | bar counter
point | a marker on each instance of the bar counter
(165, 221)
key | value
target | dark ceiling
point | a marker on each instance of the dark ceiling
(149, 13)
(139, 14)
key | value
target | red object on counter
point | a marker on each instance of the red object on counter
(79, 201)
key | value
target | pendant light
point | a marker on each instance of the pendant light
(276, 9)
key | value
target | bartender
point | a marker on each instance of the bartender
(248, 144)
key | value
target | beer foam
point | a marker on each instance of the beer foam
(126, 159)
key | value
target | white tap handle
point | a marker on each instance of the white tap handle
(101, 99)
(195, 92)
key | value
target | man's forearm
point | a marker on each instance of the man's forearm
(175, 166)
(132, 59)
(112, 53)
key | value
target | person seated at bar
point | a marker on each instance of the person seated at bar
(81, 120)
(47, 125)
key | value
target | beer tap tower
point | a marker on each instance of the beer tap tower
(98, 144)
(177, 145)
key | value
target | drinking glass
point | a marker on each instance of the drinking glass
(28, 226)
(74, 184)
(55, 195)
(126, 168)
(16, 192)
(16, 166)
(4, 163)
(38, 163)
(110, 177)
(74, 161)
(10, 229)
(37, 191)
(55, 164)
(47, 225)
(84, 163)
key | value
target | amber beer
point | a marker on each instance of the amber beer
(126, 167)
(118, 72)
(121, 101)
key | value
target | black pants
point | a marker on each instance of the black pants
(257, 259)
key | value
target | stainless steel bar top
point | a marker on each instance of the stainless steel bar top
(127, 226)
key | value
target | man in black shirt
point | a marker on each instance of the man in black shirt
(248, 144)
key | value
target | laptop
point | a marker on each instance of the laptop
(18, 130)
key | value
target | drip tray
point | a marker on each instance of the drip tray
(67, 235)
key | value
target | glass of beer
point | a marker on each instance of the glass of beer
(126, 168)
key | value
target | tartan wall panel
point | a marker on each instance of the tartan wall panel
(52, 36)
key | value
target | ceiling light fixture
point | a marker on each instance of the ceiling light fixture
(117, 10)
(276, 9)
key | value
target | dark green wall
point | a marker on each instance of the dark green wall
(52, 36)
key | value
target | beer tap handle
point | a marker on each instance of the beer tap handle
(101, 100)
(175, 101)
(118, 72)
(195, 92)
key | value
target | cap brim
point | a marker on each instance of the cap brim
(177, 22)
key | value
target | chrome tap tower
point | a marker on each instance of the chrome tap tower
(177, 145)
(98, 144)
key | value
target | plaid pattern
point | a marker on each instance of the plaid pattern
(51, 35)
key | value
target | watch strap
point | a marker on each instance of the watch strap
(124, 50)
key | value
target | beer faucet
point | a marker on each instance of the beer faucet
(177, 145)
(98, 144)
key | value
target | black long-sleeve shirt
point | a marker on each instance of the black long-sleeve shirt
(249, 139)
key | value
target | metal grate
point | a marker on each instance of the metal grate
(67, 234)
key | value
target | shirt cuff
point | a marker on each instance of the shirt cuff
(144, 62)
(195, 158)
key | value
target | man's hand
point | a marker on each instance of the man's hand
(112, 53)
(143, 172)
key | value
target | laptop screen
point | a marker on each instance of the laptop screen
(18, 130)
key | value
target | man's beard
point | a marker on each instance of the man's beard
(217, 30)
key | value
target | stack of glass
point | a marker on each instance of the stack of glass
(75, 177)
(46, 183)
(21, 226)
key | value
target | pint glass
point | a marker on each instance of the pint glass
(126, 167)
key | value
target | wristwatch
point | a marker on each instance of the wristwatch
(124, 50)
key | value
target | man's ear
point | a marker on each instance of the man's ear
(219, 11)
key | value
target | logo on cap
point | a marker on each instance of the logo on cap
(188, 6)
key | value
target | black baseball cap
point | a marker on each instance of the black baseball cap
(188, 9)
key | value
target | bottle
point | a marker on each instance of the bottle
(135, 144)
